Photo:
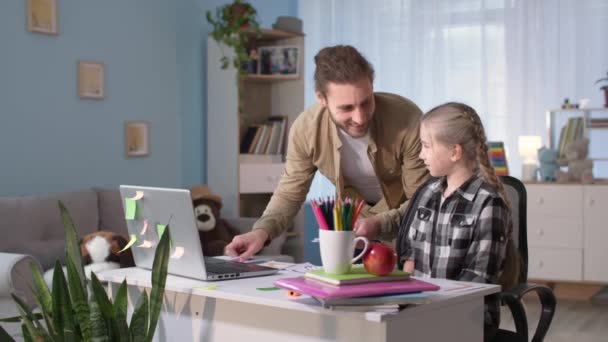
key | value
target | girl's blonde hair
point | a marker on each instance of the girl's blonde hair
(458, 124)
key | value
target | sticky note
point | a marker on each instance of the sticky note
(160, 229)
(130, 208)
(209, 287)
(144, 228)
(267, 288)
(130, 243)
(178, 253)
(138, 195)
(146, 244)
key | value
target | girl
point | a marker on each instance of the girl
(462, 226)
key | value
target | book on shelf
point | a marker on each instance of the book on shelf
(357, 275)
(323, 290)
(275, 133)
(265, 138)
(256, 138)
(394, 299)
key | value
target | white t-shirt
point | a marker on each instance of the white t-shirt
(357, 169)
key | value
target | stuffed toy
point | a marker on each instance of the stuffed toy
(547, 160)
(100, 251)
(580, 167)
(214, 232)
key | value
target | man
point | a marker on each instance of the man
(365, 143)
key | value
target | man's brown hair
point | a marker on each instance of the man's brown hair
(341, 64)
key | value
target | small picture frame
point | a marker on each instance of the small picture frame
(90, 80)
(42, 16)
(137, 139)
(279, 60)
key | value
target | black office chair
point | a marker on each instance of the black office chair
(516, 192)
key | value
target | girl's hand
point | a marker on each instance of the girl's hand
(368, 227)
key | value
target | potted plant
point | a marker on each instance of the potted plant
(232, 24)
(604, 87)
(69, 313)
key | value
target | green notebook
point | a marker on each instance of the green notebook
(357, 275)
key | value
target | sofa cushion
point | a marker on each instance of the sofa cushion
(32, 224)
(111, 213)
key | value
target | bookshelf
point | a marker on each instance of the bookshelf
(594, 125)
(246, 181)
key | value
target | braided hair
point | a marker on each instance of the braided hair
(456, 123)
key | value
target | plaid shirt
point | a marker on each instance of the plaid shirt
(462, 238)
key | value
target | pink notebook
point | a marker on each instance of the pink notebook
(323, 290)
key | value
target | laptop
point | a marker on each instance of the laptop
(148, 210)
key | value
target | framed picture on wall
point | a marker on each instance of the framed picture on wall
(279, 60)
(42, 16)
(137, 138)
(90, 80)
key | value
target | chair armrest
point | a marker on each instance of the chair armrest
(16, 277)
(244, 224)
(512, 298)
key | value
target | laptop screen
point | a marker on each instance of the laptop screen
(148, 211)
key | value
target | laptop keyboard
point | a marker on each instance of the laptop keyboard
(219, 266)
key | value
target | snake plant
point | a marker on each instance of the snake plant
(68, 312)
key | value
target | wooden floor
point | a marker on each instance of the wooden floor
(574, 321)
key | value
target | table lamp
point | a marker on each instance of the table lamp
(528, 150)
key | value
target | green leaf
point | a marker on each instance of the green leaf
(43, 297)
(41, 288)
(120, 312)
(72, 245)
(79, 301)
(159, 278)
(105, 306)
(139, 320)
(63, 318)
(99, 328)
(4, 336)
(32, 326)
(26, 334)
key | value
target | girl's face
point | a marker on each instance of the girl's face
(437, 157)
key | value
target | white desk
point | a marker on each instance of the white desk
(237, 311)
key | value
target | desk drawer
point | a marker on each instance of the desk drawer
(555, 263)
(259, 178)
(555, 200)
(549, 231)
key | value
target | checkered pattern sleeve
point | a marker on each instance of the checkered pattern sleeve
(484, 258)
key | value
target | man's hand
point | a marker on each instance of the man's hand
(246, 245)
(368, 227)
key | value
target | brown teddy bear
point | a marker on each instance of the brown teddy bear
(580, 168)
(214, 232)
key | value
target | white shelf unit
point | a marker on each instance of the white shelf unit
(244, 184)
(566, 232)
(598, 137)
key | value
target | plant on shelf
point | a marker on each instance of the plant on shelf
(69, 313)
(232, 25)
(604, 87)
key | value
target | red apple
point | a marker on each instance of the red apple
(379, 259)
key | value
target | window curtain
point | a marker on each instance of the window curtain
(509, 59)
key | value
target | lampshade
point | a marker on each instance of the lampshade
(528, 147)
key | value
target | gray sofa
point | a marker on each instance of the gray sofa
(32, 232)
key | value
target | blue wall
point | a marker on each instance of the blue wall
(154, 53)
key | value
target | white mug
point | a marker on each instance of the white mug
(337, 248)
